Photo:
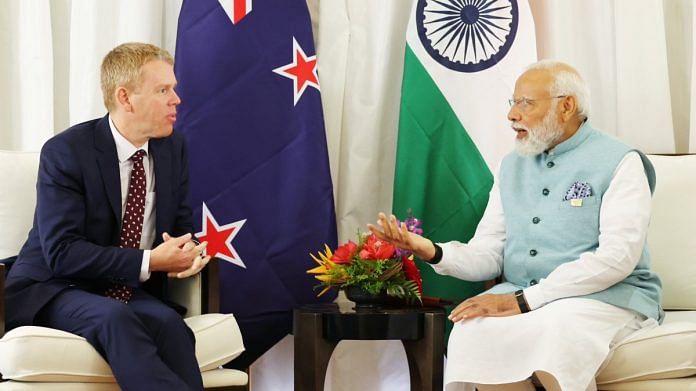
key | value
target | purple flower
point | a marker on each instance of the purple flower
(412, 225)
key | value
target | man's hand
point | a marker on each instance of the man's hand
(175, 254)
(401, 237)
(198, 263)
(486, 305)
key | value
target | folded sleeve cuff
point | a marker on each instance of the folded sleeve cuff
(534, 296)
(445, 262)
(145, 267)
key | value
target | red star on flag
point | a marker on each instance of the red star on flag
(219, 237)
(302, 70)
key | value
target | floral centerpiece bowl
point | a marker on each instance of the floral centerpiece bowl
(372, 272)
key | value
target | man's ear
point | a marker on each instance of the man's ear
(123, 99)
(569, 107)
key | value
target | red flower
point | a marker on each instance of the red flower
(412, 272)
(344, 253)
(374, 248)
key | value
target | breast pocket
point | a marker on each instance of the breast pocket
(579, 215)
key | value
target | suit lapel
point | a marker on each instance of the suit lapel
(107, 160)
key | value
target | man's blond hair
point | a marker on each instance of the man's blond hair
(122, 67)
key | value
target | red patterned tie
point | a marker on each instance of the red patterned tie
(132, 228)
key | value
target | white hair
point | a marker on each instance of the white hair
(566, 82)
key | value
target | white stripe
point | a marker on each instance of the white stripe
(480, 98)
(228, 6)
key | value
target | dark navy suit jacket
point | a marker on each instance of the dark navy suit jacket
(77, 222)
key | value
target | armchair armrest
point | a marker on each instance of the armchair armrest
(200, 294)
(211, 286)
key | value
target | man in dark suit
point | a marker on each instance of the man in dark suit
(111, 218)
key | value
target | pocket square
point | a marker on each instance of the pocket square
(578, 191)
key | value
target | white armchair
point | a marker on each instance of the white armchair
(38, 358)
(664, 358)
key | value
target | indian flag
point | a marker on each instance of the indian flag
(462, 59)
(451, 134)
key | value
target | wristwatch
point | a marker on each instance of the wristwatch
(521, 301)
(438, 254)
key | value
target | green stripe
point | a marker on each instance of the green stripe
(440, 174)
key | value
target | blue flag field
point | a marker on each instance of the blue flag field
(260, 186)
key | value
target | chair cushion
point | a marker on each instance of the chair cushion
(670, 235)
(687, 384)
(211, 379)
(221, 377)
(34, 353)
(218, 339)
(663, 352)
(680, 316)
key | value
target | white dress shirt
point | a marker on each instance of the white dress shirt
(623, 226)
(125, 150)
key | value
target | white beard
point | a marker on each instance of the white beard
(539, 138)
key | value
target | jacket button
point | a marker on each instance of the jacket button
(533, 252)
(532, 283)
(545, 192)
(550, 164)
(536, 220)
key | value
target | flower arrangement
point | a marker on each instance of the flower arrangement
(372, 265)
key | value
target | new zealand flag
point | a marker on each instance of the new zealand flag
(260, 185)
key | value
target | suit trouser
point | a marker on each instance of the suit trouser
(146, 343)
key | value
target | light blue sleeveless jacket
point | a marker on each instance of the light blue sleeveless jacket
(543, 231)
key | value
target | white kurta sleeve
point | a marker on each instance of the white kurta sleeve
(623, 224)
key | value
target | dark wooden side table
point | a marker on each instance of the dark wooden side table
(319, 328)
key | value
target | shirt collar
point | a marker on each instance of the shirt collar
(124, 148)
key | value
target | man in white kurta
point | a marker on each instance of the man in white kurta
(565, 227)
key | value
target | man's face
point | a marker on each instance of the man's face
(534, 115)
(154, 101)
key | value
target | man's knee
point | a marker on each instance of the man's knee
(117, 313)
(118, 316)
(169, 317)
(171, 324)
